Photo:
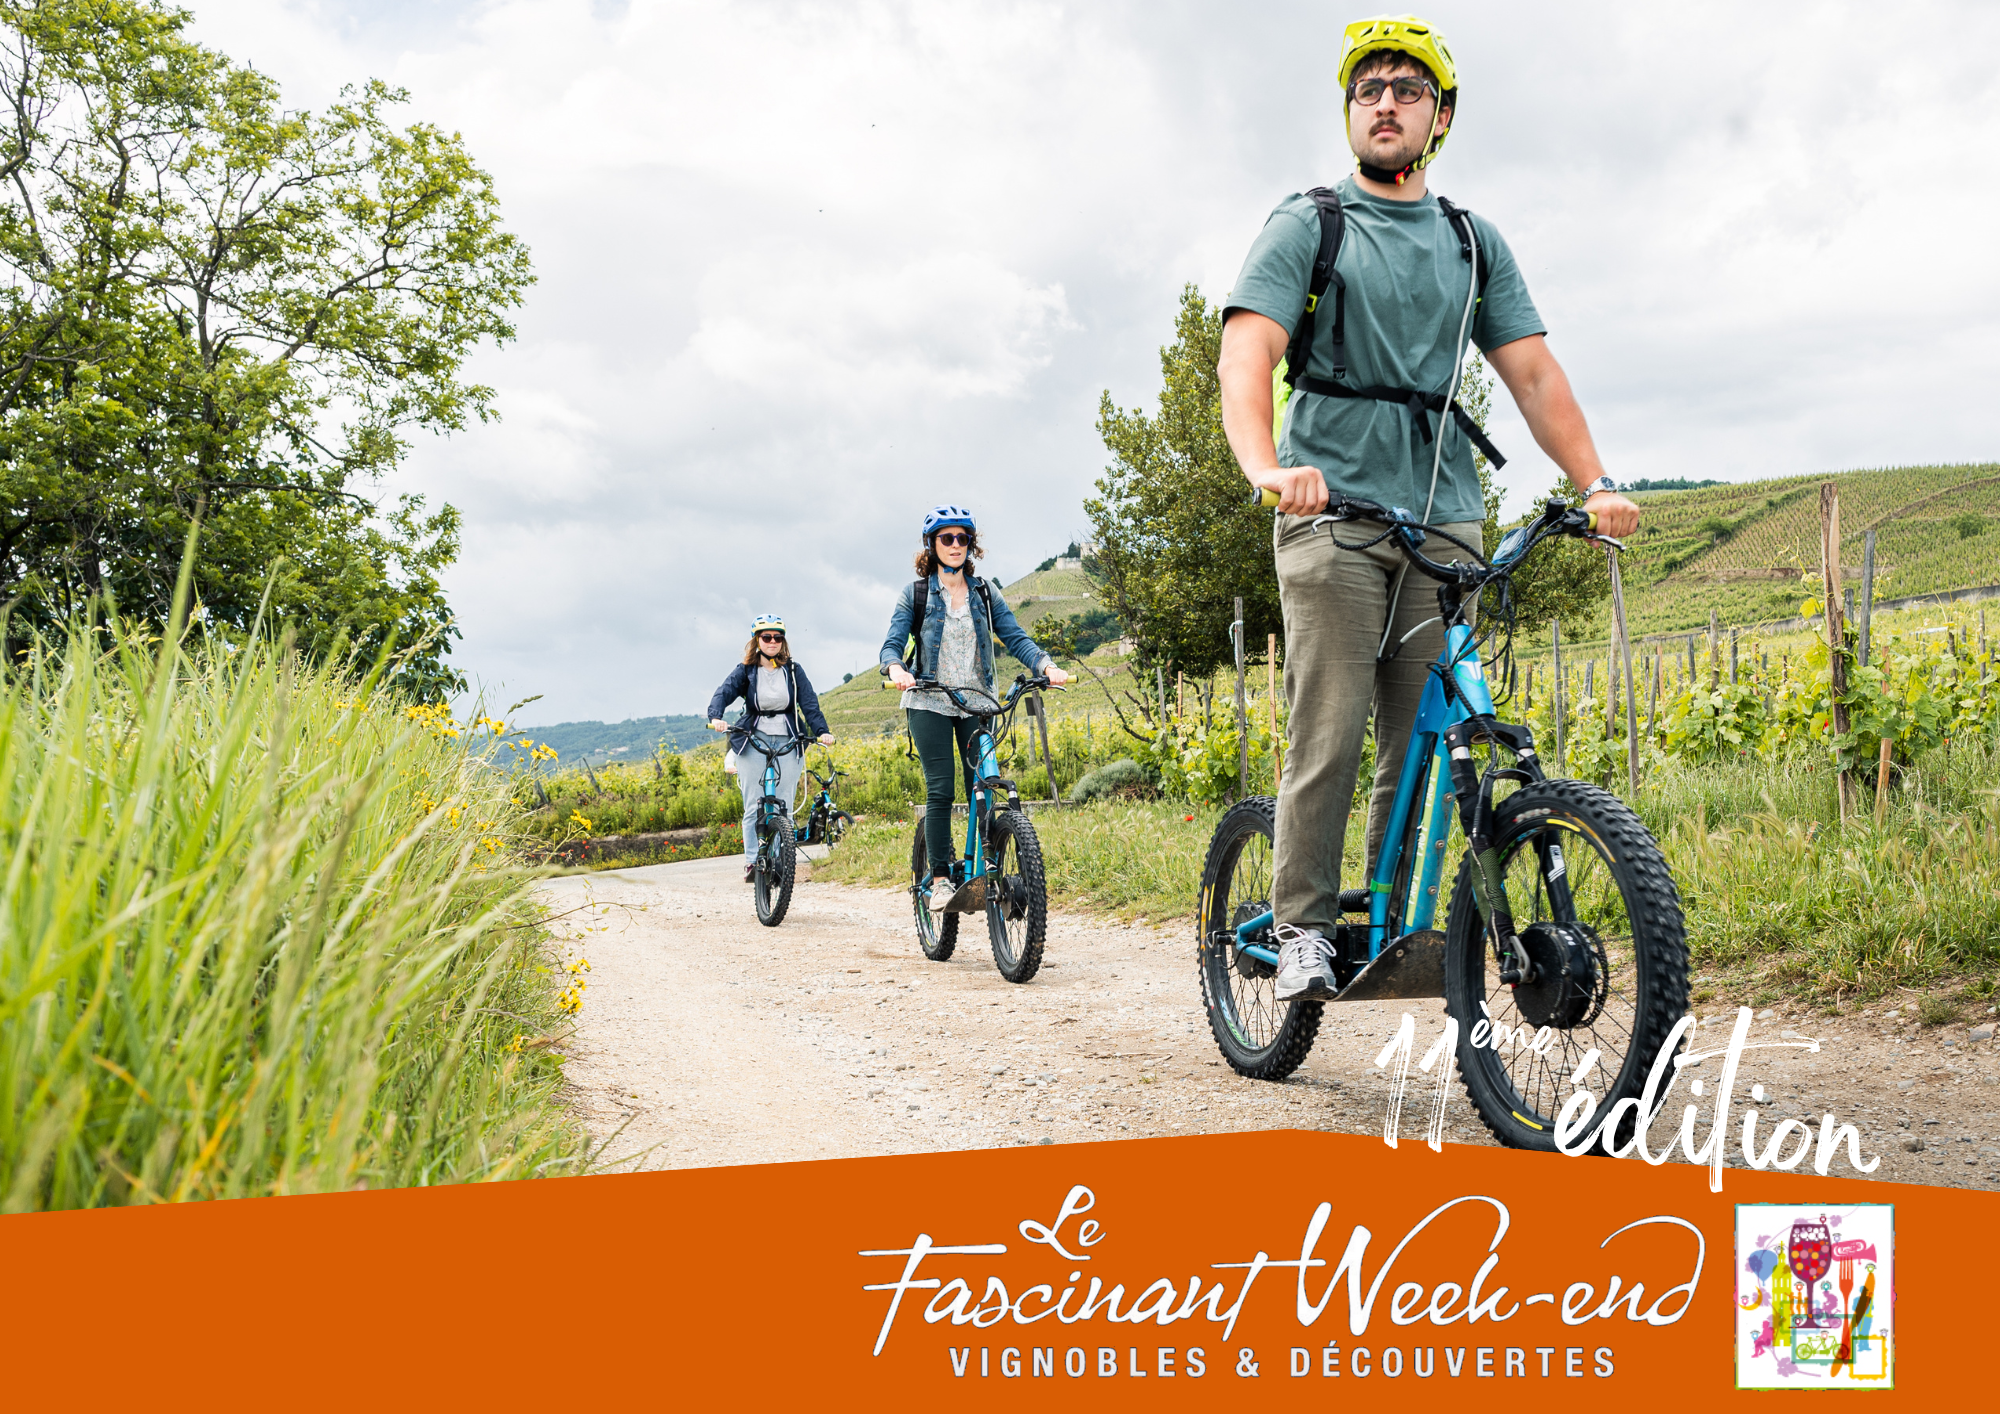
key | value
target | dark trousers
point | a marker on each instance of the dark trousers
(935, 736)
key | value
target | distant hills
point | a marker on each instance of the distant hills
(633, 740)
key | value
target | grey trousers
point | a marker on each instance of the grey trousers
(1335, 603)
(750, 778)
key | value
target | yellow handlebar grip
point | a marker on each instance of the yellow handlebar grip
(1593, 519)
(1263, 496)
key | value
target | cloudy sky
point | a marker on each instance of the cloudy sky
(806, 269)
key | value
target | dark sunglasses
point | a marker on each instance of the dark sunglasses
(953, 537)
(770, 638)
(1408, 89)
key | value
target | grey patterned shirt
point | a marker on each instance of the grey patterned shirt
(957, 665)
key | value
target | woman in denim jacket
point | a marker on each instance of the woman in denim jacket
(777, 701)
(962, 615)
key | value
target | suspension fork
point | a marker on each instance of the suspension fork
(1474, 791)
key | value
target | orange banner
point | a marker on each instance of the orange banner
(1150, 1274)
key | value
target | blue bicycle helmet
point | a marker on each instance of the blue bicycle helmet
(938, 517)
(767, 621)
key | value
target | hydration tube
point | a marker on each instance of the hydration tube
(1459, 346)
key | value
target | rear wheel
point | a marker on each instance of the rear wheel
(1017, 898)
(937, 933)
(1260, 1036)
(777, 855)
(1599, 922)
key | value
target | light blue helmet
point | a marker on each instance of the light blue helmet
(767, 621)
(938, 517)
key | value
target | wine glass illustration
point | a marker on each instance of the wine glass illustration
(1810, 1257)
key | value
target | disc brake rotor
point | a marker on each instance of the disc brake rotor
(1246, 965)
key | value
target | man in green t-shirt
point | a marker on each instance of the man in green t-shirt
(1355, 638)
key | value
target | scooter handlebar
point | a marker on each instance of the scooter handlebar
(1265, 498)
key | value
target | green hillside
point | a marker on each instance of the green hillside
(1750, 550)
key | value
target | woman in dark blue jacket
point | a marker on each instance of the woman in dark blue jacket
(962, 614)
(777, 701)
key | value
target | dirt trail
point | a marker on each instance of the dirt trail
(712, 1040)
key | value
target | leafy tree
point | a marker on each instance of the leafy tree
(217, 308)
(1565, 580)
(1078, 635)
(1176, 542)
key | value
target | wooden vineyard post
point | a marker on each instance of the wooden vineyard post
(1271, 683)
(1623, 646)
(1732, 657)
(1836, 628)
(1039, 710)
(1653, 703)
(1714, 650)
(1556, 701)
(1868, 594)
(1242, 712)
(1180, 695)
(1160, 681)
(1882, 782)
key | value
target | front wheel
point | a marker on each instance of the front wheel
(777, 856)
(836, 826)
(937, 933)
(1017, 895)
(1602, 951)
(1260, 1036)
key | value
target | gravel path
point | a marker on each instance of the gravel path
(706, 1039)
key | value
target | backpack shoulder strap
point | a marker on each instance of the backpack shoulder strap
(1461, 226)
(1332, 226)
(919, 604)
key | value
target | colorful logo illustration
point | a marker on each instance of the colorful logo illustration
(1815, 1293)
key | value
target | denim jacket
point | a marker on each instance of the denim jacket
(742, 682)
(1002, 624)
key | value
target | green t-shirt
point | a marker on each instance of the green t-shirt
(1406, 282)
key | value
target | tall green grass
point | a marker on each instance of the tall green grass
(256, 937)
(1780, 895)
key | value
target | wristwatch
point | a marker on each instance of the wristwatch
(1603, 483)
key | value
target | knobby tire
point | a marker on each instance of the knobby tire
(1017, 897)
(1618, 886)
(1260, 1036)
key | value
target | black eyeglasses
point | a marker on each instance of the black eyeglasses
(770, 638)
(1408, 89)
(953, 537)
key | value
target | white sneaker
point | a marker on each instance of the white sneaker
(942, 889)
(1305, 965)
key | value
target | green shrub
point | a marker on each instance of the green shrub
(1123, 776)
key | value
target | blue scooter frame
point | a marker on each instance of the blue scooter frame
(1423, 763)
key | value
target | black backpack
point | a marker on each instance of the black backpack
(919, 604)
(1332, 227)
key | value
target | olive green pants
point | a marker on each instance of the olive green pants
(1335, 603)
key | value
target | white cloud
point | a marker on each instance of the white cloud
(949, 325)
(808, 268)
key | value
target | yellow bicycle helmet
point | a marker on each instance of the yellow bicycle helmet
(1405, 34)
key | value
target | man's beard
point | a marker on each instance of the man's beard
(1406, 151)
